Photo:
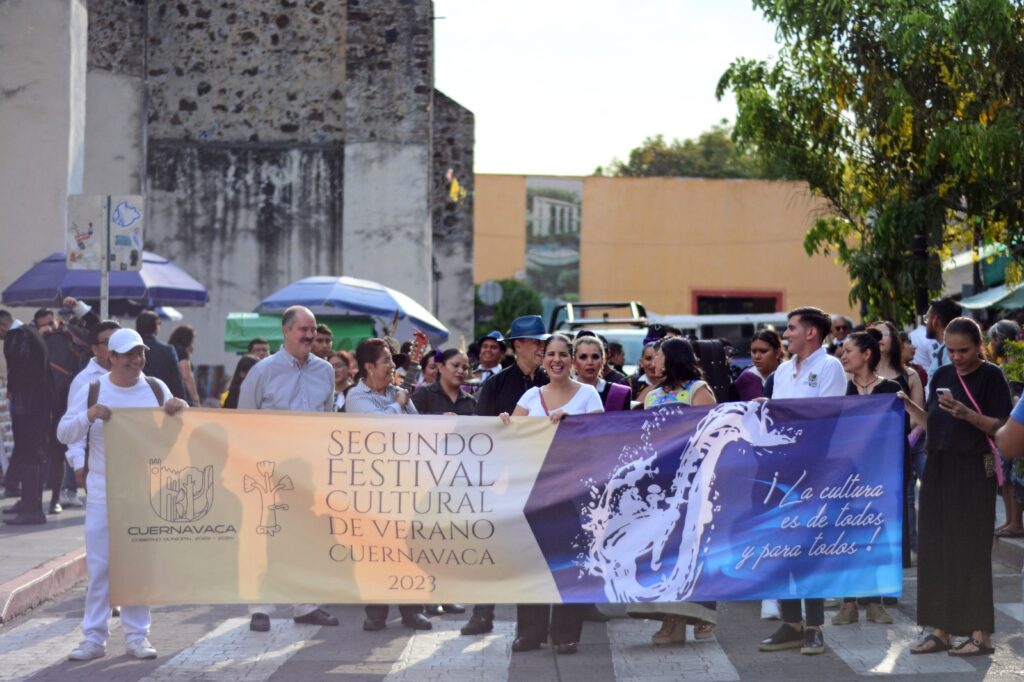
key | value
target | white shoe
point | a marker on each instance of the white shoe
(140, 648)
(770, 610)
(69, 499)
(87, 651)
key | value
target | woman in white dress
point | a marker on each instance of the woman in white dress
(561, 397)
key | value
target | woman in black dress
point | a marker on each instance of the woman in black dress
(860, 355)
(967, 402)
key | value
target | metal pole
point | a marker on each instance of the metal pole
(105, 268)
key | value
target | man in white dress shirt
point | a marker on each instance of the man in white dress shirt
(809, 373)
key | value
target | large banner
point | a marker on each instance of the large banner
(786, 498)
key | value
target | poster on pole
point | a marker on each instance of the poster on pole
(127, 229)
(85, 240)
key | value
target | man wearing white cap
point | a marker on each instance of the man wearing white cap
(90, 405)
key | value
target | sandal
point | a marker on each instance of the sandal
(1007, 532)
(938, 646)
(704, 631)
(979, 649)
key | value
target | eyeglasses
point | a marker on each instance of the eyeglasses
(840, 328)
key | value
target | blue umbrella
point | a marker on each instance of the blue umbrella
(337, 296)
(158, 283)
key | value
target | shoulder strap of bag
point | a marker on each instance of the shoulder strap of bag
(540, 394)
(94, 396)
(991, 443)
(157, 391)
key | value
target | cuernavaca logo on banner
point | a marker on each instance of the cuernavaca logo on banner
(183, 498)
(268, 490)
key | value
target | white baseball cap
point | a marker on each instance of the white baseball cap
(124, 340)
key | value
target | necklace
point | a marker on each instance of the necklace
(867, 385)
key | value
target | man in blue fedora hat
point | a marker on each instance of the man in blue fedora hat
(500, 394)
(492, 350)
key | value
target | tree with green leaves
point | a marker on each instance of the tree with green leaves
(906, 116)
(517, 299)
(712, 155)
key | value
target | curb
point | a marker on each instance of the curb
(1010, 551)
(41, 583)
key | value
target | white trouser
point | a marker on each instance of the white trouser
(298, 610)
(135, 620)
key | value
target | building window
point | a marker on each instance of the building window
(727, 302)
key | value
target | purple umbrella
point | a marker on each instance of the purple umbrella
(158, 283)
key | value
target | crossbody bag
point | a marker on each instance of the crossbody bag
(993, 463)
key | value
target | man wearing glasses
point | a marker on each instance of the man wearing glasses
(841, 327)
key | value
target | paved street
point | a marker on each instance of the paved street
(214, 643)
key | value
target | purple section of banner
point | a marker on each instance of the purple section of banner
(777, 499)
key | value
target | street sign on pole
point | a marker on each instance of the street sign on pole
(490, 293)
(105, 233)
(86, 237)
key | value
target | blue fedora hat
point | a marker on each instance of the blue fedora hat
(527, 327)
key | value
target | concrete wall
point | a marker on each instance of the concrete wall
(453, 218)
(388, 98)
(245, 220)
(658, 240)
(42, 126)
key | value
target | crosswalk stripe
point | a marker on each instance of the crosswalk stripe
(1015, 611)
(443, 652)
(635, 658)
(39, 644)
(873, 649)
(249, 656)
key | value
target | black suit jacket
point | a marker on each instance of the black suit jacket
(162, 363)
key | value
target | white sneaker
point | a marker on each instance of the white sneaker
(87, 651)
(69, 499)
(770, 610)
(140, 648)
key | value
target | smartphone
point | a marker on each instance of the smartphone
(943, 393)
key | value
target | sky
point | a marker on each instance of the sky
(559, 87)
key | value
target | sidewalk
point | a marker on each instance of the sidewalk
(39, 562)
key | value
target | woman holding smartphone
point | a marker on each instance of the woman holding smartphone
(968, 401)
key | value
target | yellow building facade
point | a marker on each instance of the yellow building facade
(674, 244)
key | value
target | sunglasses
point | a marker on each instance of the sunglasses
(584, 356)
(841, 328)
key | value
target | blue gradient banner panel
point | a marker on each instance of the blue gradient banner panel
(778, 499)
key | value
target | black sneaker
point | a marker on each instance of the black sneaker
(786, 637)
(814, 642)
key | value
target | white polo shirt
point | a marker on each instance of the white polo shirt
(819, 376)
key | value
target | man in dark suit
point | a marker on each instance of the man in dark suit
(161, 358)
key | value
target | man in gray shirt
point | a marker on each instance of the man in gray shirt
(290, 379)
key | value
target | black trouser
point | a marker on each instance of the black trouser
(380, 611)
(55, 471)
(563, 622)
(862, 600)
(28, 462)
(814, 608)
(484, 611)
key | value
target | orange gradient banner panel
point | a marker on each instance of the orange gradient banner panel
(226, 506)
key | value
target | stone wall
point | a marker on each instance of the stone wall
(453, 217)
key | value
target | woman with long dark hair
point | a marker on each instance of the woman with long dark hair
(766, 354)
(860, 355)
(28, 382)
(680, 382)
(562, 396)
(968, 400)
(245, 363)
(183, 338)
(646, 379)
